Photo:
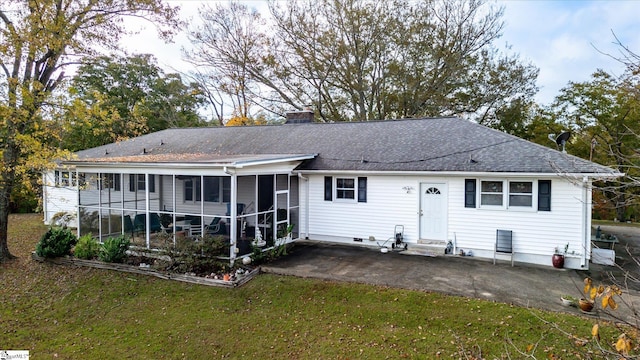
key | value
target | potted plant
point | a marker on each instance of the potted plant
(558, 257)
(586, 305)
(568, 300)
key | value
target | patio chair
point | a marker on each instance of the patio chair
(216, 227)
(140, 222)
(504, 244)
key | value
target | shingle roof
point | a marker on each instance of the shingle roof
(433, 144)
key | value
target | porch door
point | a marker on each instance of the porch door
(433, 211)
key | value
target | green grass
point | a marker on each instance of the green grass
(78, 313)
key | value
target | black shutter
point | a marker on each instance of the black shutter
(152, 183)
(544, 195)
(470, 193)
(328, 188)
(116, 182)
(133, 181)
(362, 189)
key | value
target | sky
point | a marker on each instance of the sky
(566, 40)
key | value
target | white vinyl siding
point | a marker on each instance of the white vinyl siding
(534, 232)
(387, 205)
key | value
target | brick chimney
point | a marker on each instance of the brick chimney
(300, 117)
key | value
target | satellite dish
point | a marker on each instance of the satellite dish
(561, 140)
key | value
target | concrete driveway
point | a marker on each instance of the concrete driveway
(522, 285)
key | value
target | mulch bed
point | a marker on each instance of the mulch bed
(142, 268)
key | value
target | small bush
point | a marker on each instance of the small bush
(86, 248)
(113, 250)
(56, 242)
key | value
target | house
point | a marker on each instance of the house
(445, 180)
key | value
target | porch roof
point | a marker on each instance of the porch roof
(192, 159)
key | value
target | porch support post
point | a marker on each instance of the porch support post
(233, 213)
(147, 203)
(173, 206)
(77, 203)
(99, 182)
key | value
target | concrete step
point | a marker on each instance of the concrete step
(426, 248)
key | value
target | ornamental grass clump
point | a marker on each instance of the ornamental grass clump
(114, 250)
(56, 242)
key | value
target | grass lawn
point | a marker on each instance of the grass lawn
(66, 312)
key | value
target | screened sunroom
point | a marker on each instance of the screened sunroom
(245, 200)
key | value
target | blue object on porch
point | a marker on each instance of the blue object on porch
(239, 207)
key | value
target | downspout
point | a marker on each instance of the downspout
(586, 231)
(306, 205)
(233, 213)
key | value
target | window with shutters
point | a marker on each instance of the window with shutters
(517, 194)
(345, 189)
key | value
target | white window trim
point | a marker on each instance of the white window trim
(479, 195)
(505, 195)
(355, 189)
(534, 196)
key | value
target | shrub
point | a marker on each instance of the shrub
(87, 247)
(56, 242)
(113, 250)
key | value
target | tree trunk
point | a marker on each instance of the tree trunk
(10, 152)
(4, 222)
(621, 207)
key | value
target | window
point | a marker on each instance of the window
(137, 183)
(520, 194)
(345, 189)
(64, 181)
(188, 189)
(512, 194)
(111, 181)
(491, 193)
(216, 189)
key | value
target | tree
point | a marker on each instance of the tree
(363, 60)
(604, 115)
(113, 98)
(229, 45)
(38, 40)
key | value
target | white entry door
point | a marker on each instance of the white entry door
(433, 211)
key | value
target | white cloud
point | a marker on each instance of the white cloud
(565, 39)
